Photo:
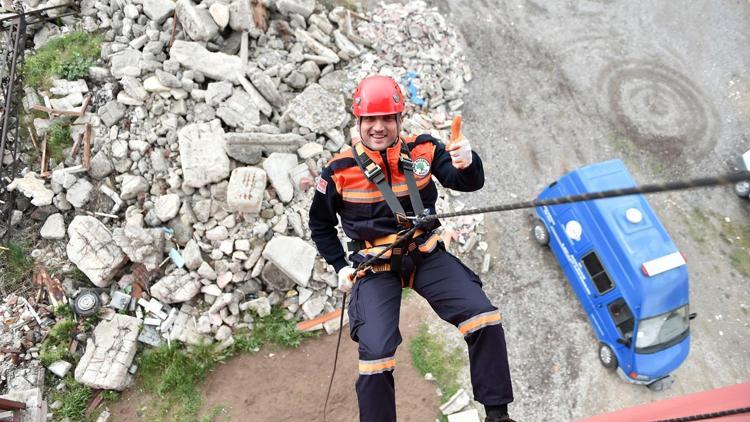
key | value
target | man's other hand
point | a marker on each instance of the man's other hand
(346, 279)
(460, 152)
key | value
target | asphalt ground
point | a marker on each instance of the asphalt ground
(665, 87)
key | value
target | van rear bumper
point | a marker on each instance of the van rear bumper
(655, 384)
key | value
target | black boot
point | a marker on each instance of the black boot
(504, 418)
(497, 414)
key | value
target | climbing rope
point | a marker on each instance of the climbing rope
(702, 182)
(711, 415)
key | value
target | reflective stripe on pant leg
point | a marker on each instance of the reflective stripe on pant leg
(372, 367)
(374, 314)
(480, 321)
(455, 293)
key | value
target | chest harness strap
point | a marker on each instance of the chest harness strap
(374, 173)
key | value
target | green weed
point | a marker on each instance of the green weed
(273, 329)
(15, 265)
(68, 56)
(58, 138)
(429, 355)
(174, 373)
(56, 346)
(74, 400)
(738, 236)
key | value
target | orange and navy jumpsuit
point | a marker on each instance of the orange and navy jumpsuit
(452, 289)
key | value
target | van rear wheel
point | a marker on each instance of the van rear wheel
(607, 357)
(540, 233)
(742, 189)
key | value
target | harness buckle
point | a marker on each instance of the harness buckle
(407, 164)
(404, 221)
(374, 173)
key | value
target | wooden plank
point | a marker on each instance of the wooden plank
(174, 29)
(87, 147)
(44, 155)
(6, 404)
(94, 403)
(51, 111)
(306, 325)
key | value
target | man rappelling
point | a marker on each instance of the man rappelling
(378, 188)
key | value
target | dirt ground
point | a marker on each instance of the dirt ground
(278, 384)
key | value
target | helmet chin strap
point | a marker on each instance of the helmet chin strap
(398, 131)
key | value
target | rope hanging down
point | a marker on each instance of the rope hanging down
(702, 182)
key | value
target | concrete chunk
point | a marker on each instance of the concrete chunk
(54, 227)
(197, 22)
(317, 109)
(93, 250)
(249, 147)
(293, 256)
(177, 287)
(245, 190)
(202, 154)
(277, 167)
(109, 354)
(217, 66)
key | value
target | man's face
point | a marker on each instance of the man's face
(379, 132)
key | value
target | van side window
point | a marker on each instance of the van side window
(597, 273)
(622, 317)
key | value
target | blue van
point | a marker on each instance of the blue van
(627, 273)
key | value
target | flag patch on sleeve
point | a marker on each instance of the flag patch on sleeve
(321, 186)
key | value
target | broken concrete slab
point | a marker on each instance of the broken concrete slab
(249, 148)
(33, 187)
(217, 66)
(239, 111)
(317, 109)
(184, 328)
(158, 10)
(293, 256)
(197, 22)
(93, 250)
(60, 368)
(202, 154)
(245, 190)
(177, 287)
(277, 167)
(109, 354)
(140, 244)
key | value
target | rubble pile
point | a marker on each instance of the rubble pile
(184, 199)
(25, 325)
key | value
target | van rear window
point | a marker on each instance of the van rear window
(597, 273)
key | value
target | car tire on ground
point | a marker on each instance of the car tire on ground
(742, 189)
(540, 233)
(87, 303)
(607, 357)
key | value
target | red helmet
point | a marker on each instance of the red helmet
(376, 96)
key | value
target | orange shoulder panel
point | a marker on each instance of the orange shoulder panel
(342, 154)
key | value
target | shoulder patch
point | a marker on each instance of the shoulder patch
(322, 185)
(421, 167)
